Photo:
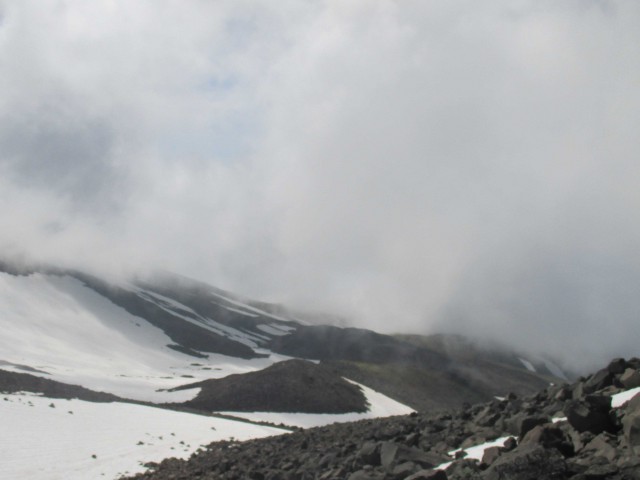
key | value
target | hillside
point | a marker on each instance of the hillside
(586, 430)
(140, 339)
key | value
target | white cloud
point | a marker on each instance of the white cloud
(455, 165)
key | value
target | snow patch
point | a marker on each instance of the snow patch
(527, 364)
(620, 399)
(252, 309)
(554, 369)
(274, 329)
(172, 307)
(241, 312)
(476, 452)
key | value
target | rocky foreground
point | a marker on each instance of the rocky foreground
(563, 432)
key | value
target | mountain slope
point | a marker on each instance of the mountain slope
(61, 328)
(141, 338)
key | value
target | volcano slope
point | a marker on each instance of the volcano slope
(586, 430)
(140, 338)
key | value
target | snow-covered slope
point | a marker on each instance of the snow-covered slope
(59, 327)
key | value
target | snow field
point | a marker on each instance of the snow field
(74, 439)
(527, 364)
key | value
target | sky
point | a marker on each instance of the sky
(444, 166)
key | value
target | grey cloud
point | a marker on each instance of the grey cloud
(457, 166)
(69, 154)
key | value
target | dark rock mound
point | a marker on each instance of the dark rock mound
(11, 382)
(291, 386)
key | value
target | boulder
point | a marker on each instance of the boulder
(467, 468)
(630, 378)
(369, 453)
(577, 391)
(630, 465)
(563, 393)
(487, 417)
(525, 423)
(617, 366)
(491, 454)
(392, 454)
(530, 462)
(600, 446)
(549, 436)
(403, 470)
(510, 443)
(600, 471)
(631, 422)
(365, 475)
(590, 414)
(428, 475)
(573, 435)
(599, 380)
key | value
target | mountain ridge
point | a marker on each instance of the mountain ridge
(202, 321)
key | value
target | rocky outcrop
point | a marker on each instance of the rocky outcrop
(12, 382)
(596, 441)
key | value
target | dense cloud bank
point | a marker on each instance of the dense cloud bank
(418, 166)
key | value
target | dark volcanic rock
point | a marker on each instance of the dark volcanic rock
(528, 463)
(11, 382)
(465, 468)
(598, 443)
(630, 378)
(291, 386)
(601, 446)
(598, 381)
(631, 422)
(526, 423)
(189, 336)
(549, 436)
(491, 454)
(334, 343)
(617, 366)
(592, 413)
(392, 454)
(428, 475)
(369, 453)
